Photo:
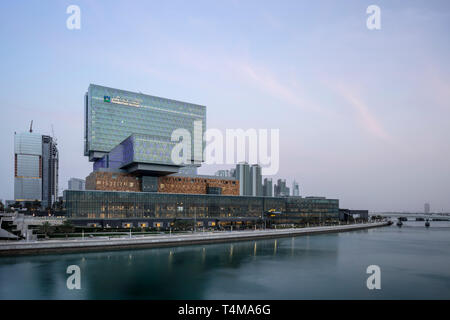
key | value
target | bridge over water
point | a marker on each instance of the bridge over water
(412, 216)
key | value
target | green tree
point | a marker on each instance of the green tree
(67, 223)
(46, 228)
(66, 227)
(183, 224)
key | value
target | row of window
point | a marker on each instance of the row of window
(79, 203)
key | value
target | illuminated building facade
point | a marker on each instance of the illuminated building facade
(84, 207)
(176, 183)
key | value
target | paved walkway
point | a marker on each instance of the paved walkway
(73, 245)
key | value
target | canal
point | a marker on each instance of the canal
(414, 263)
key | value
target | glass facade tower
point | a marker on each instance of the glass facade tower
(113, 115)
(50, 171)
(255, 174)
(244, 177)
(27, 167)
(35, 168)
(267, 188)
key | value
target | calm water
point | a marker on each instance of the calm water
(414, 262)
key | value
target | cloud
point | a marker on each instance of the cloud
(365, 118)
(217, 61)
(269, 83)
(437, 87)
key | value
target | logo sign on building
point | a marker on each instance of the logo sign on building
(106, 99)
(125, 101)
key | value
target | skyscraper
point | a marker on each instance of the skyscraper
(267, 188)
(295, 189)
(50, 171)
(114, 116)
(243, 175)
(27, 167)
(35, 168)
(280, 189)
(76, 184)
(256, 180)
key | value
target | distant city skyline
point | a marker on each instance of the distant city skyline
(364, 115)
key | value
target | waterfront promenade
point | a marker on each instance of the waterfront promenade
(96, 244)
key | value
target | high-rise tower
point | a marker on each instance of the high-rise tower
(35, 168)
(243, 175)
(256, 180)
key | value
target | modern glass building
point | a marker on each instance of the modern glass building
(244, 177)
(76, 184)
(256, 180)
(317, 205)
(50, 171)
(111, 204)
(27, 167)
(113, 115)
(148, 206)
(36, 169)
(281, 189)
(141, 153)
(295, 189)
(267, 187)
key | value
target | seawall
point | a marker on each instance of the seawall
(62, 246)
